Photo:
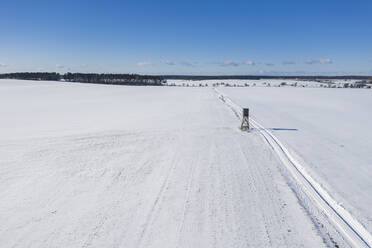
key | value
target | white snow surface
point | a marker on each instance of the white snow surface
(328, 130)
(113, 166)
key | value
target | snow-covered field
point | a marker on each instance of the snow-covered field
(113, 166)
(260, 83)
(328, 130)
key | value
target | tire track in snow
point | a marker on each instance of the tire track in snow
(187, 200)
(354, 232)
(253, 178)
(158, 199)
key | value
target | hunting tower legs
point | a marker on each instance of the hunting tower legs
(245, 121)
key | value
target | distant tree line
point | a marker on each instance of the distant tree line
(197, 78)
(359, 84)
(95, 78)
(251, 77)
(135, 79)
(47, 76)
(118, 79)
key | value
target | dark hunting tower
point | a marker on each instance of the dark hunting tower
(245, 121)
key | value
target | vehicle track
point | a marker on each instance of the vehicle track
(158, 199)
(186, 202)
(352, 231)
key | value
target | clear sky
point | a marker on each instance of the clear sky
(187, 37)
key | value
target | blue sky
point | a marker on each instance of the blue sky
(187, 37)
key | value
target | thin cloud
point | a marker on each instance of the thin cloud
(184, 63)
(326, 61)
(63, 68)
(311, 61)
(318, 61)
(230, 63)
(269, 64)
(249, 62)
(288, 63)
(145, 63)
(168, 62)
(60, 66)
(3, 65)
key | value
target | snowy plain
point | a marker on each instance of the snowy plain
(113, 166)
(328, 130)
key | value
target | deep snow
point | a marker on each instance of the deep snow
(114, 166)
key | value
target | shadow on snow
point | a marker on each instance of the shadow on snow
(275, 129)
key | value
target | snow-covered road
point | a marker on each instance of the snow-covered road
(328, 131)
(164, 167)
(309, 190)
